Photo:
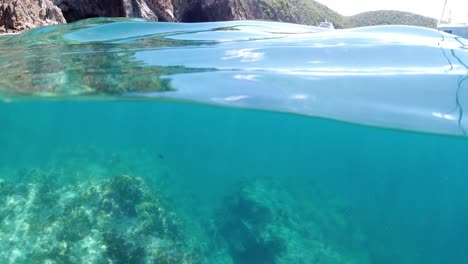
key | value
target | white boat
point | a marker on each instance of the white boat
(326, 24)
(455, 29)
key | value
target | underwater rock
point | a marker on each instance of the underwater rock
(19, 15)
(116, 220)
(263, 223)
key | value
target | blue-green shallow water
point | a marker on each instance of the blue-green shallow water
(92, 172)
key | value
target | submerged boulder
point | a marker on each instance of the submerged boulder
(264, 223)
(116, 220)
(20, 15)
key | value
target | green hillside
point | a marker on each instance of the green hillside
(300, 11)
(390, 17)
(311, 12)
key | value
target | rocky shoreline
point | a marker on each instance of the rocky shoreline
(21, 15)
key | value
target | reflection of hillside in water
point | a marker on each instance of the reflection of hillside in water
(44, 64)
(388, 76)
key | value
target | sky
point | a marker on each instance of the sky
(431, 8)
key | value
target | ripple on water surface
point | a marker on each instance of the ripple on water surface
(393, 76)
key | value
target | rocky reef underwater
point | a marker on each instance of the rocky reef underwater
(49, 216)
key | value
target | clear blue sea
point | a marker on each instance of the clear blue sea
(125, 141)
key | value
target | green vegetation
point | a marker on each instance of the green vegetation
(311, 13)
(300, 11)
(390, 17)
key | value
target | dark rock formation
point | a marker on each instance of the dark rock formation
(156, 10)
(19, 15)
(263, 222)
(216, 10)
(209, 10)
(295, 11)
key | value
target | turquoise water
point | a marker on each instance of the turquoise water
(127, 141)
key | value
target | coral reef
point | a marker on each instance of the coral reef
(263, 223)
(117, 220)
(67, 211)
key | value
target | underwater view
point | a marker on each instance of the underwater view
(126, 141)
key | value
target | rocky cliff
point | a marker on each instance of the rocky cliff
(18, 15)
(148, 9)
